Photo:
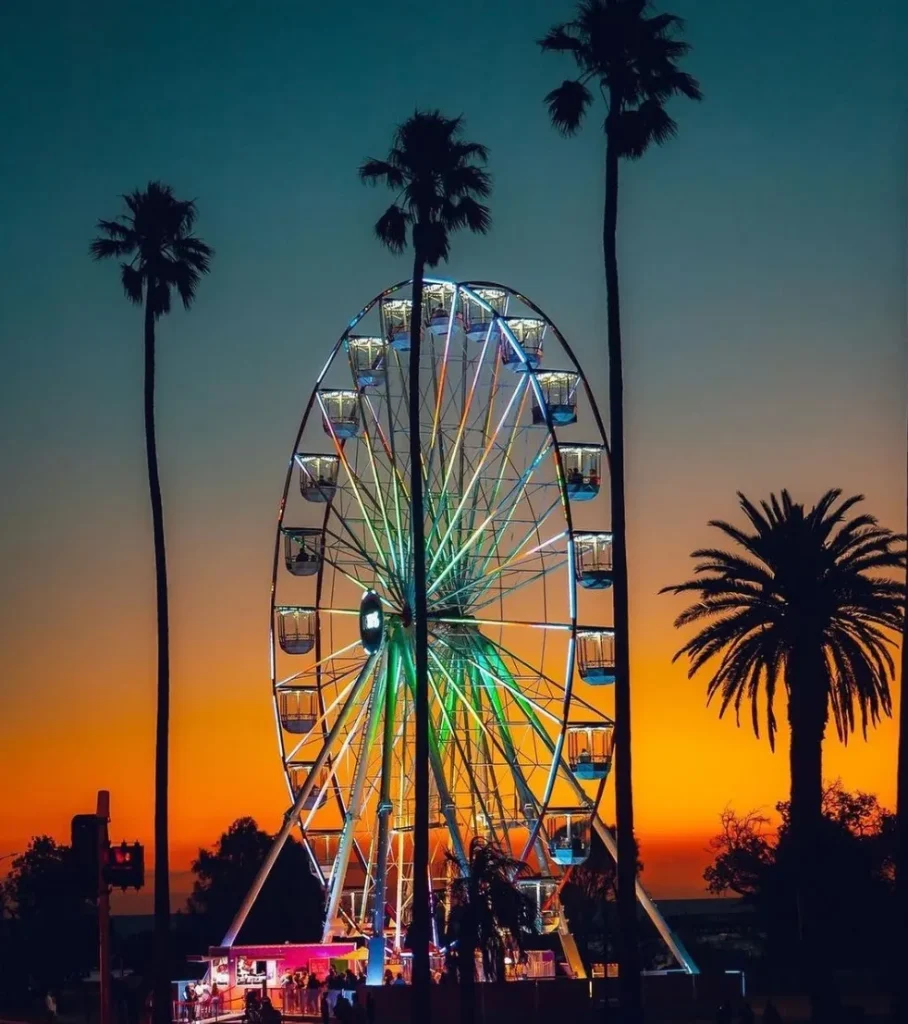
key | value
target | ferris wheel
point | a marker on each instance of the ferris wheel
(519, 570)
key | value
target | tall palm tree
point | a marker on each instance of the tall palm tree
(159, 254)
(803, 605)
(434, 175)
(631, 56)
(487, 907)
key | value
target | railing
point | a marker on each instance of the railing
(197, 1009)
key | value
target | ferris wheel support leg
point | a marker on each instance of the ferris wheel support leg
(646, 901)
(376, 963)
(354, 807)
(292, 814)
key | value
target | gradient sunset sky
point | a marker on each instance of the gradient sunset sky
(764, 305)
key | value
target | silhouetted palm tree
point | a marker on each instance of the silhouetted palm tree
(159, 255)
(631, 56)
(487, 907)
(437, 184)
(802, 606)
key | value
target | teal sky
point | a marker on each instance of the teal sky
(763, 277)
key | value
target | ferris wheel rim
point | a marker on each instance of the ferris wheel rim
(465, 288)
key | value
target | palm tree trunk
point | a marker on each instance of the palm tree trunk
(420, 922)
(467, 971)
(807, 716)
(162, 1009)
(629, 977)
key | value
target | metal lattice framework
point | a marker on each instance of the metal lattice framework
(513, 459)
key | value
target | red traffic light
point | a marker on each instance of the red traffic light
(125, 868)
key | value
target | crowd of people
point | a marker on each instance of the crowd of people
(200, 1001)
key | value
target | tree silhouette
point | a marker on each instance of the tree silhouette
(632, 57)
(802, 606)
(437, 184)
(159, 256)
(290, 906)
(853, 866)
(49, 928)
(487, 906)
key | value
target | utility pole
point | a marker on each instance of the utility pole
(103, 815)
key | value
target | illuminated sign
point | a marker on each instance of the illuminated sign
(371, 622)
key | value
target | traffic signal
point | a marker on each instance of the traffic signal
(125, 868)
(85, 842)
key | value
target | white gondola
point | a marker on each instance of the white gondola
(298, 708)
(521, 342)
(396, 314)
(593, 560)
(596, 656)
(318, 476)
(340, 412)
(480, 321)
(438, 302)
(299, 771)
(590, 747)
(303, 549)
(559, 392)
(582, 470)
(367, 360)
(568, 832)
(295, 628)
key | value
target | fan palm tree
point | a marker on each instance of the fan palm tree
(159, 254)
(804, 606)
(434, 175)
(487, 908)
(631, 56)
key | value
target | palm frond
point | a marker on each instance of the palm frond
(132, 280)
(391, 228)
(809, 591)
(567, 105)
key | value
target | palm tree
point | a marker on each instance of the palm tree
(802, 605)
(487, 908)
(437, 184)
(159, 254)
(632, 57)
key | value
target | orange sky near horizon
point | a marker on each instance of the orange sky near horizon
(688, 765)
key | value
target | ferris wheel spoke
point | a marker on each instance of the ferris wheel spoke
(513, 587)
(379, 568)
(355, 483)
(435, 761)
(505, 457)
(477, 585)
(441, 378)
(457, 449)
(335, 762)
(556, 747)
(500, 530)
(379, 491)
(477, 534)
(321, 721)
(465, 760)
(519, 390)
(279, 683)
(538, 673)
(399, 489)
(500, 681)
